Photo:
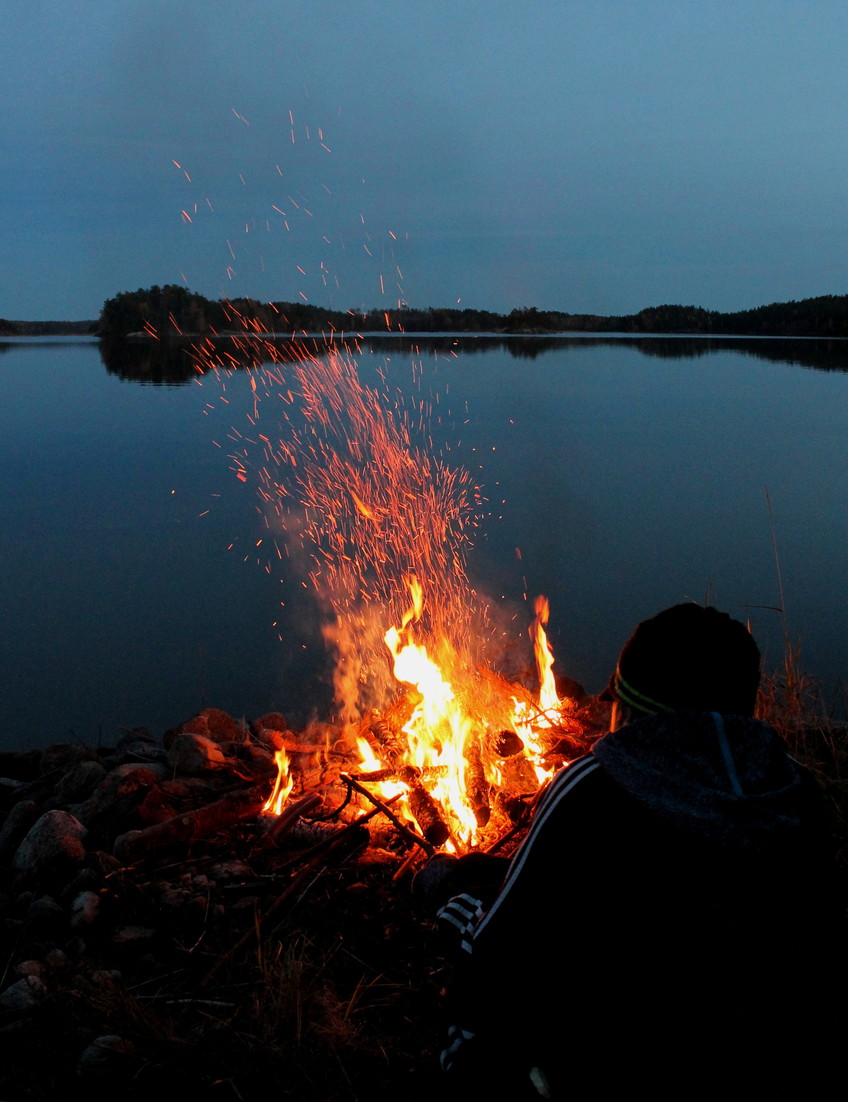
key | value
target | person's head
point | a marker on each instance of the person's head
(686, 659)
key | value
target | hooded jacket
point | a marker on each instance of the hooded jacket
(667, 910)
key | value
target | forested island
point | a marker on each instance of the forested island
(172, 311)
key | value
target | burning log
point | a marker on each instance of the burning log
(291, 815)
(427, 814)
(505, 744)
(477, 788)
(390, 741)
(408, 774)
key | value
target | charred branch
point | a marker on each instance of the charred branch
(406, 831)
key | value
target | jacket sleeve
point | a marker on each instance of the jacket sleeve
(501, 974)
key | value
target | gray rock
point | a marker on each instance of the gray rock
(80, 782)
(30, 968)
(115, 794)
(121, 841)
(133, 937)
(45, 915)
(85, 910)
(63, 755)
(23, 995)
(105, 1055)
(18, 821)
(56, 960)
(53, 843)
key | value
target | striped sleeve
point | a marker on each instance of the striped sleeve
(558, 791)
(477, 1036)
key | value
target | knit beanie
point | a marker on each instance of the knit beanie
(688, 658)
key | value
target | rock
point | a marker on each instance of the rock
(259, 757)
(190, 753)
(133, 937)
(63, 755)
(106, 1055)
(222, 727)
(85, 910)
(56, 960)
(45, 916)
(120, 844)
(112, 805)
(54, 844)
(158, 770)
(265, 725)
(23, 995)
(226, 871)
(18, 822)
(107, 979)
(80, 782)
(211, 723)
(155, 808)
(30, 968)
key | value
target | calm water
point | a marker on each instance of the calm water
(627, 475)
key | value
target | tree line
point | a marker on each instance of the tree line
(173, 310)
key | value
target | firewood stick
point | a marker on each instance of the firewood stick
(316, 854)
(402, 827)
(428, 815)
(477, 787)
(407, 864)
(291, 814)
(388, 740)
(406, 773)
(319, 847)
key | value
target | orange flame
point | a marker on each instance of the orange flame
(438, 728)
(548, 695)
(282, 786)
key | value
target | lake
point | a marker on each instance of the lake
(620, 474)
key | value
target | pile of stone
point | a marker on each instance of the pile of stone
(115, 862)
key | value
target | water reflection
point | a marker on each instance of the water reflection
(174, 363)
(630, 474)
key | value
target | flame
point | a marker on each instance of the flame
(282, 786)
(438, 728)
(548, 695)
(528, 720)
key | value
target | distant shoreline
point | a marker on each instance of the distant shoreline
(174, 314)
(49, 328)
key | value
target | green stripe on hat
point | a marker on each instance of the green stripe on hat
(632, 697)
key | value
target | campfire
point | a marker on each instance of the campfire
(348, 485)
(457, 753)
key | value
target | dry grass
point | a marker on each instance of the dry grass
(792, 702)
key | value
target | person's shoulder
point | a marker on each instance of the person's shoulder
(581, 783)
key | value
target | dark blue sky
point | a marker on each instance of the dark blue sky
(584, 155)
